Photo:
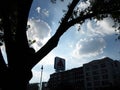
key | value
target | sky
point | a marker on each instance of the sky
(95, 40)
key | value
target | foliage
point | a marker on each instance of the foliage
(96, 9)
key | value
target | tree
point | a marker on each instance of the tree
(13, 25)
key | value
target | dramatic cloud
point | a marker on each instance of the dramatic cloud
(105, 26)
(93, 40)
(99, 29)
(89, 47)
(38, 31)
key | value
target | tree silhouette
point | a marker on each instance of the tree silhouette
(13, 24)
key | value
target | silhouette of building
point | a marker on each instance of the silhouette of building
(33, 86)
(102, 74)
(36, 86)
(44, 86)
(67, 80)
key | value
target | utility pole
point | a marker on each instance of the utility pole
(41, 78)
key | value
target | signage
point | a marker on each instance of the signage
(59, 64)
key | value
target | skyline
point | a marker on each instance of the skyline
(94, 40)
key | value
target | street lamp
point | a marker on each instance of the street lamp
(41, 78)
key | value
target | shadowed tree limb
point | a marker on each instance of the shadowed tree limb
(52, 43)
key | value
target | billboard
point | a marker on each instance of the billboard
(59, 64)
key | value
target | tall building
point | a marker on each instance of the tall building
(99, 74)
(67, 80)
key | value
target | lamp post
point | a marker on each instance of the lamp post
(41, 78)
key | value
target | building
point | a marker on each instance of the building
(67, 80)
(33, 86)
(36, 86)
(99, 74)
(44, 86)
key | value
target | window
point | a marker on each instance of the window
(94, 67)
(97, 83)
(103, 71)
(95, 72)
(89, 88)
(87, 73)
(88, 78)
(89, 84)
(103, 65)
(105, 82)
(87, 68)
(105, 76)
(96, 77)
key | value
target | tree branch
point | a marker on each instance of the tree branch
(89, 16)
(23, 7)
(53, 41)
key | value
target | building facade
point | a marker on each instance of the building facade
(99, 74)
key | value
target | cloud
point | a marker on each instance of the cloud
(38, 9)
(89, 47)
(105, 26)
(83, 5)
(42, 11)
(39, 31)
(45, 12)
(94, 36)
(98, 29)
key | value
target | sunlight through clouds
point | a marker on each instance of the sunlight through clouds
(99, 28)
(38, 31)
(94, 39)
(89, 47)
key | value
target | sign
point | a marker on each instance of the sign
(59, 64)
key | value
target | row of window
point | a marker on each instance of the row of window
(96, 78)
(94, 67)
(98, 83)
(102, 71)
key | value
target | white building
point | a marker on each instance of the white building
(102, 73)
